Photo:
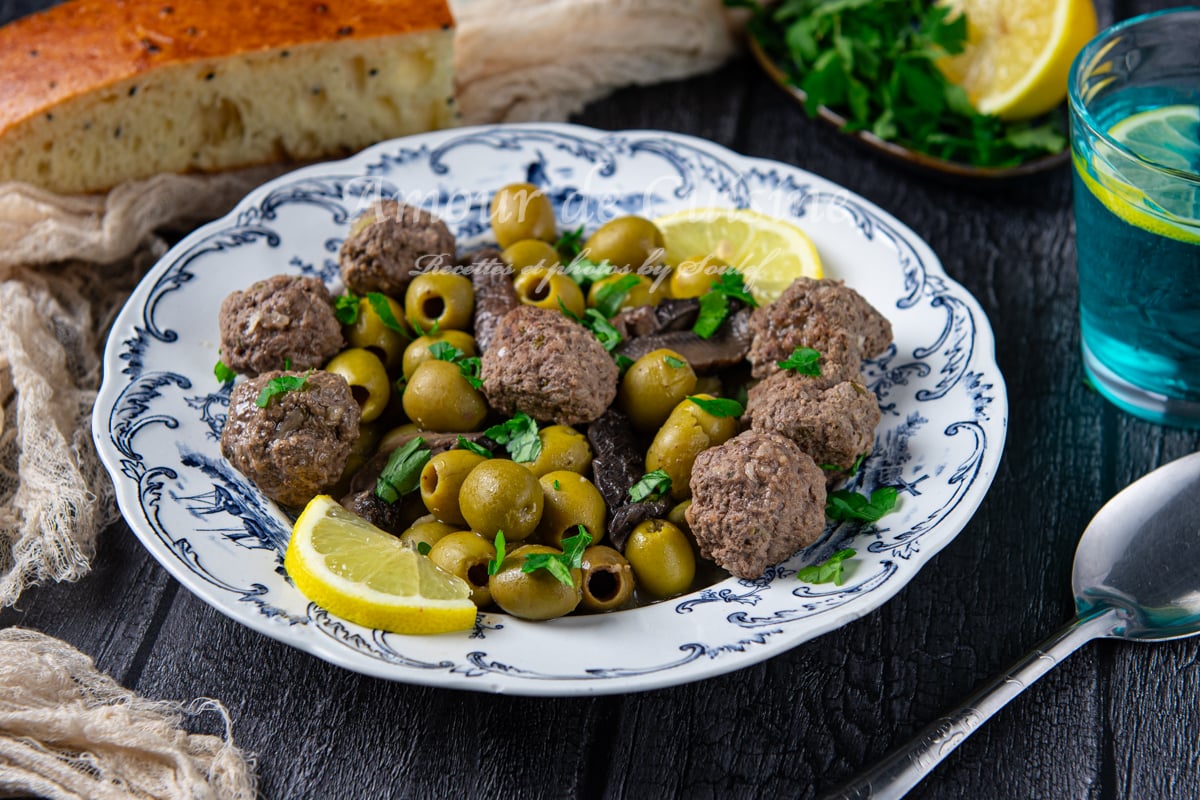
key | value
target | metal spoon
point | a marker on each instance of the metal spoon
(1136, 577)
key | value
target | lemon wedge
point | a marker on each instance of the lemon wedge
(1019, 53)
(354, 570)
(769, 252)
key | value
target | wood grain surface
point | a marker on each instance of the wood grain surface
(1115, 721)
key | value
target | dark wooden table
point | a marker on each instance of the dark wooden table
(1115, 721)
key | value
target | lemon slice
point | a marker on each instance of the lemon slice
(354, 570)
(769, 252)
(1019, 53)
(1169, 136)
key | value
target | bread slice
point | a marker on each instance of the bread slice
(95, 92)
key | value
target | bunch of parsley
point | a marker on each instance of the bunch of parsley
(874, 63)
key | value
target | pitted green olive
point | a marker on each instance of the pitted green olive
(427, 530)
(501, 495)
(530, 253)
(607, 579)
(441, 480)
(677, 516)
(370, 332)
(521, 211)
(662, 558)
(441, 299)
(418, 352)
(627, 243)
(563, 447)
(549, 287)
(694, 277)
(438, 397)
(652, 387)
(466, 554)
(571, 500)
(367, 377)
(688, 431)
(537, 594)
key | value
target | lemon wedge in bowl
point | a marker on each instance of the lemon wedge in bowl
(769, 252)
(1018, 53)
(358, 572)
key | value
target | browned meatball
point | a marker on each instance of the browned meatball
(833, 423)
(755, 500)
(297, 446)
(283, 318)
(551, 368)
(390, 243)
(825, 315)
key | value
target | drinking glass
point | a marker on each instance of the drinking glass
(1134, 96)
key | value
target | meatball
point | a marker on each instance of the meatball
(285, 318)
(297, 446)
(390, 243)
(756, 500)
(825, 315)
(832, 422)
(551, 368)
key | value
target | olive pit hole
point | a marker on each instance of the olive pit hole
(433, 307)
(539, 291)
(360, 394)
(603, 584)
(477, 574)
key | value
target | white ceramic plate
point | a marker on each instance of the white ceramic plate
(160, 410)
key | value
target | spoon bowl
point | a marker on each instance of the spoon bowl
(1136, 577)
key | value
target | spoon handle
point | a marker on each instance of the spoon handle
(904, 768)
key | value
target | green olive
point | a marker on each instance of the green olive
(370, 332)
(441, 299)
(708, 384)
(677, 515)
(645, 293)
(652, 387)
(438, 397)
(688, 431)
(441, 479)
(397, 437)
(693, 277)
(571, 500)
(563, 447)
(607, 579)
(428, 530)
(530, 253)
(521, 211)
(501, 495)
(418, 352)
(549, 287)
(367, 377)
(661, 557)
(537, 594)
(627, 243)
(466, 554)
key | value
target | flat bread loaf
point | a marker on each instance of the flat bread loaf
(95, 92)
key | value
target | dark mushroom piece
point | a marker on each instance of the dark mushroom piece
(724, 349)
(494, 293)
(617, 465)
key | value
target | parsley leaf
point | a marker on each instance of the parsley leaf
(469, 366)
(557, 485)
(718, 406)
(731, 284)
(714, 304)
(802, 361)
(585, 272)
(424, 547)
(597, 323)
(847, 506)
(570, 244)
(403, 471)
(383, 310)
(560, 564)
(676, 363)
(466, 444)
(281, 385)
(610, 295)
(650, 486)
(623, 364)
(224, 374)
(444, 351)
(345, 308)
(519, 436)
(498, 559)
(828, 571)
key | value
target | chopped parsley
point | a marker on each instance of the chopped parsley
(345, 308)
(650, 486)
(519, 436)
(281, 385)
(718, 406)
(846, 506)
(585, 272)
(224, 374)
(672, 361)
(597, 323)
(802, 361)
(424, 547)
(828, 571)
(609, 296)
(469, 366)
(570, 244)
(498, 559)
(402, 473)
(560, 564)
(714, 304)
(466, 444)
(383, 310)
(623, 364)
(557, 485)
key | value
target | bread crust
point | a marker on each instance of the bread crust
(82, 46)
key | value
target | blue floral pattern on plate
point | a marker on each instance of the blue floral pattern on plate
(159, 414)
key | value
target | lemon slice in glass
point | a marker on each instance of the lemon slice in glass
(354, 570)
(769, 252)
(1019, 53)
